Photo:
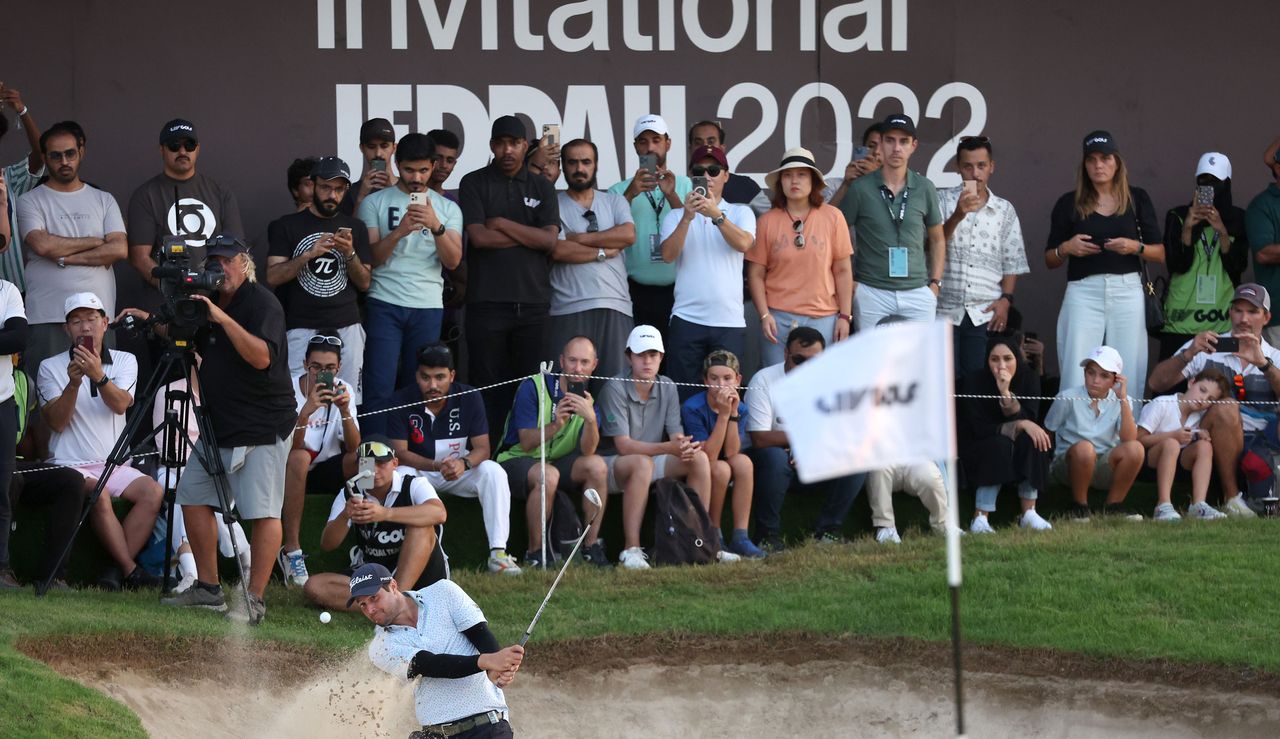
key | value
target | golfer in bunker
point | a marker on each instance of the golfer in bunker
(439, 636)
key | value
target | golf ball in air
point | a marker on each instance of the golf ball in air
(325, 617)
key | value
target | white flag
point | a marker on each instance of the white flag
(878, 399)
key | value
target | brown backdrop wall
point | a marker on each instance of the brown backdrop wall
(266, 82)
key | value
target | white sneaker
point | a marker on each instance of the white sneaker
(634, 559)
(1034, 521)
(887, 535)
(1166, 512)
(1236, 507)
(980, 525)
(186, 582)
(501, 562)
(1205, 512)
(724, 556)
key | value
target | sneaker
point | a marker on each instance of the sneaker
(533, 560)
(500, 561)
(1166, 512)
(198, 596)
(772, 544)
(594, 554)
(183, 585)
(1034, 521)
(293, 567)
(887, 535)
(140, 579)
(724, 556)
(1236, 507)
(825, 538)
(981, 525)
(250, 611)
(634, 559)
(8, 580)
(1205, 512)
(740, 544)
(1079, 513)
(1121, 511)
(110, 579)
(58, 585)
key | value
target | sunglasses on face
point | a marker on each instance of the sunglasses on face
(798, 227)
(711, 170)
(70, 155)
(176, 146)
(331, 340)
(593, 224)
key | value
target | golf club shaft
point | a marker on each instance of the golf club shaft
(581, 537)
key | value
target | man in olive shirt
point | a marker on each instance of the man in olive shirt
(896, 221)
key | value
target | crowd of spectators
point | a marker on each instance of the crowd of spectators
(382, 288)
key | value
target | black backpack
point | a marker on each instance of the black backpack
(682, 531)
(565, 526)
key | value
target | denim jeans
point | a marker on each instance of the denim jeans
(688, 344)
(986, 495)
(774, 477)
(771, 354)
(394, 334)
(970, 345)
(1103, 309)
(870, 304)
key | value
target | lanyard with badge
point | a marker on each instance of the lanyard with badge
(1207, 284)
(655, 244)
(897, 253)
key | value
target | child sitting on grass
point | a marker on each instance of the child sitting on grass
(1169, 428)
(1097, 439)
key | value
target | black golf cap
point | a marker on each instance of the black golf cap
(331, 168)
(377, 129)
(368, 579)
(508, 125)
(178, 130)
(1100, 141)
(899, 121)
(225, 246)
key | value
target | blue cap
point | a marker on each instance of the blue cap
(368, 579)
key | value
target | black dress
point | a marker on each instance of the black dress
(988, 456)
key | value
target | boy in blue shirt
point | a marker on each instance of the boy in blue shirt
(1097, 438)
(714, 417)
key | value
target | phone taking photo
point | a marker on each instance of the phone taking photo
(1204, 195)
(860, 153)
(364, 483)
(649, 162)
(378, 165)
(578, 388)
(417, 198)
(551, 133)
(970, 187)
(1227, 344)
(700, 185)
(86, 342)
(344, 231)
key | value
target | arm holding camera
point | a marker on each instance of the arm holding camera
(252, 349)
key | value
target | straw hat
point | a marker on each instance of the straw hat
(796, 158)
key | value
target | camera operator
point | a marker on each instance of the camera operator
(249, 400)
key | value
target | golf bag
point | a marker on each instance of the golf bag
(682, 530)
(1257, 468)
(565, 526)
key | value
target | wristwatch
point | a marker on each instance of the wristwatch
(105, 380)
(438, 231)
(601, 256)
(466, 462)
(62, 263)
(734, 419)
(935, 282)
(1268, 365)
(845, 316)
(717, 221)
(1008, 297)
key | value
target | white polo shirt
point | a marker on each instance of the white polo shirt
(708, 271)
(94, 427)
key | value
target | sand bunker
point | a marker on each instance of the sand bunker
(844, 698)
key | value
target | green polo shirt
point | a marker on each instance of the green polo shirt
(1262, 224)
(643, 265)
(868, 213)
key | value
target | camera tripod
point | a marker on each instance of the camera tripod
(174, 450)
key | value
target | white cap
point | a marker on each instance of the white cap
(645, 338)
(83, 300)
(1106, 358)
(1215, 164)
(650, 122)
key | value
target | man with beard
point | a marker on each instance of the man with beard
(589, 294)
(652, 194)
(411, 241)
(318, 260)
(448, 147)
(73, 233)
(512, 221)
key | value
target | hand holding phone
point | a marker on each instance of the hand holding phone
(700, 185)
(86, 342)
(1204, 195)
(551, 134)
(860, 153)
(1227, 344)
(577, 387)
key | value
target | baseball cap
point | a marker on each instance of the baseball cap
(1255, 294)
(1215, 164)
(508, 125)
(376, 448)
(377, 129)
(1101, 141)
(721, 358)
(331, 168)
(900, 121)
(368, 579)
(709, 152)
(225, 246)
(1106, 358)
(177, 130)
(644, 338)
(650, 122)
(83, 300)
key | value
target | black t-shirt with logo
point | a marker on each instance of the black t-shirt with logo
(516, 274)
(321, 296)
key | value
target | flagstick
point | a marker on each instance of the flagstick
(953, 581)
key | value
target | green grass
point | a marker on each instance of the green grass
(1193, 592)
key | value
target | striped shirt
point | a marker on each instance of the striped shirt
(20, 181)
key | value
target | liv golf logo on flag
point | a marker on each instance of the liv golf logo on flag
(880, 398)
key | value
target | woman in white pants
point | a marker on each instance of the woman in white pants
(1101, 231)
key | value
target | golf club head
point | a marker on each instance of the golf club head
(591, 496)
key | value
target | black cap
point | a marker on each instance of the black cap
(331, 168)
(379, 129)
(1100, 141)
(508, 125)
(178, 130)
(225, 246)
(368, 579)
(899, 121)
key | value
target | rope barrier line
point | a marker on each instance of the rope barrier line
(664, 381)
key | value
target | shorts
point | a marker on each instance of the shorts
(659, 469)
(1101, 471)
(121, 477)
(255, 473)
(518, 472)
(326, 478)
